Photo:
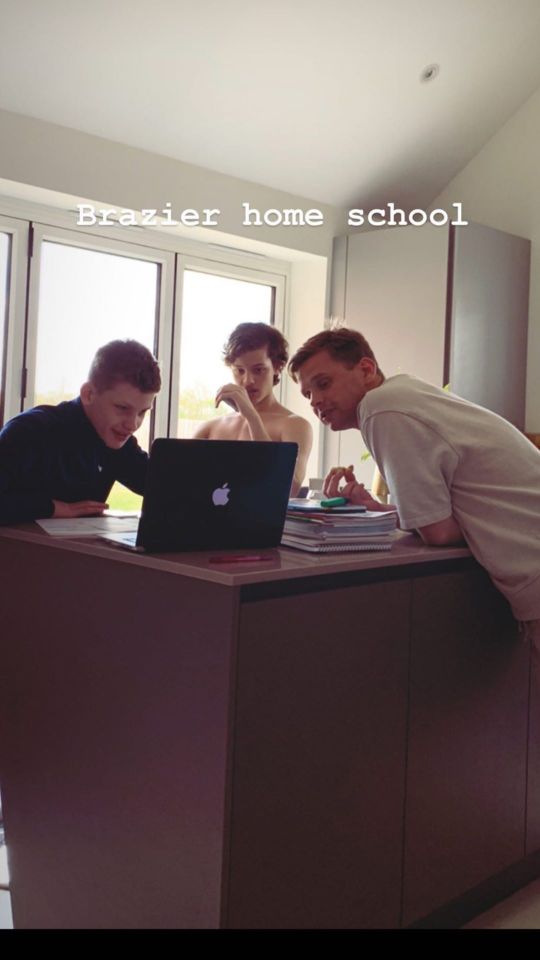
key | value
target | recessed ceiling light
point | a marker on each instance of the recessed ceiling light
(429, 73)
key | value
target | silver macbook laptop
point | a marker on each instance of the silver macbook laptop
(213, 494)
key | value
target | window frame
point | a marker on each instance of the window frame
(35, 222)
(14, 334)
(278, 279)
(164, 306)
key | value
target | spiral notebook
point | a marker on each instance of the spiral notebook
(329, 532)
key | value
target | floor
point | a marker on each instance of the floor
(6, 923)
(519, 912)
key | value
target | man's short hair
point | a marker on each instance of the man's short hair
(125, 361)
(254, 336)
(344, 345)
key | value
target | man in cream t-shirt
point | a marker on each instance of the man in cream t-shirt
(454, 470)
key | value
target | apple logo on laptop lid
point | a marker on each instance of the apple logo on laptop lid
(220, 496)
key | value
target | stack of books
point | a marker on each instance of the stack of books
(309, 526)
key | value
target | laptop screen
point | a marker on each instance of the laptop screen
(206, 494)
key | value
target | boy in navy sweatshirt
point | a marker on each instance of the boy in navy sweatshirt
(61, 461)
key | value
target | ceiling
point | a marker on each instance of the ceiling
(319, 99)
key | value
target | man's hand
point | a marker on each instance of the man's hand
(237, 397)
(83, 508)
(355, 492)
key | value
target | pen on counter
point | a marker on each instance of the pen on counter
(245, 558)
(334, 502)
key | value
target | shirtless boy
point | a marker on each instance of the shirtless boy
(256, 354)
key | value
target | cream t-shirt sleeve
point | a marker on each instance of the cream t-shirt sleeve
(417, 463)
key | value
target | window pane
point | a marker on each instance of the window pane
(212, 307)
(5, 245)
(86, 299)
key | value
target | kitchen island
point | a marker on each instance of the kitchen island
(309, 741)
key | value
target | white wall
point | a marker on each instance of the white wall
(395, 294)
(500, 187)
(306, 316)
(55, 166)
(56, 158)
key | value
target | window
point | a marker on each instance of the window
(87, 298)
(78, 289)
(212, 307)
(80, 298)
(214, 299)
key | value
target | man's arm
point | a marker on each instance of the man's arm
(418, 465)
(21, 469)
(17, 507)
(444, 533)
(19, 460)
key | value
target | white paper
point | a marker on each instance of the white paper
(89, 526)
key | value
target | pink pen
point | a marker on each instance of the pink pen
(239, 558)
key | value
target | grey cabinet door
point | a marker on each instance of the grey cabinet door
(319, 760)
(392, 289)
(448, 305)
(466, 775)
(489, 319)
(114, 715)
(533, 781)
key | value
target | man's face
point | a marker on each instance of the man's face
(254, 371)
(335, 390)
(115, 413)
